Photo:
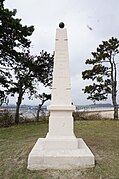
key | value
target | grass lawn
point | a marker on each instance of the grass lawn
(101, 136)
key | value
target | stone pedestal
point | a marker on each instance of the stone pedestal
(60, 149)
(43, 158)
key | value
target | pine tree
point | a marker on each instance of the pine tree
(13, 41)
(103, 73)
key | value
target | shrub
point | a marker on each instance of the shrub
(6, 119)
(82, 115)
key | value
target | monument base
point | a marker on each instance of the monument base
(42, 158)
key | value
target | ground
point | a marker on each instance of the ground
(101, 136)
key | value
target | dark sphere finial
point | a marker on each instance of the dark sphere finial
(61, 25)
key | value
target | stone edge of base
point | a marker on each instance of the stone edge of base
(61, 107)
(52, 161)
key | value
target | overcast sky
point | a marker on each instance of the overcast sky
(88, 22)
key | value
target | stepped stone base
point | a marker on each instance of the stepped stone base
(42, 158)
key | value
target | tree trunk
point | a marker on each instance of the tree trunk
(39, 108)
(114, 100)
(114, 90)
(116, 112)
(38, 111)
(17, 114)
(44, 97)
(18, 107)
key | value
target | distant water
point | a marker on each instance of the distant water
(31, 112)
(26, 111)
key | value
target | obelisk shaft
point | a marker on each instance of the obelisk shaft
(61, 91)
(61, 120)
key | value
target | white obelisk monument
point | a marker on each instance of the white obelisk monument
(60, 149)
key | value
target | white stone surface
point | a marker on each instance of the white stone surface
(61, 89)
(41, 158)
(60, 148)
(61, 120)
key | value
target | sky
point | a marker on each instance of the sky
(88, 23)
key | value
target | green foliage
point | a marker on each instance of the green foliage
(19, 70)
(103, 73)
(43, 97)
(13, 41)
(43, 68)
(32, 70)
(102, 61)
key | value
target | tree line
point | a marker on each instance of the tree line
(20, 71)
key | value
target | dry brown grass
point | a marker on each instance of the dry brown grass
(101, 136)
